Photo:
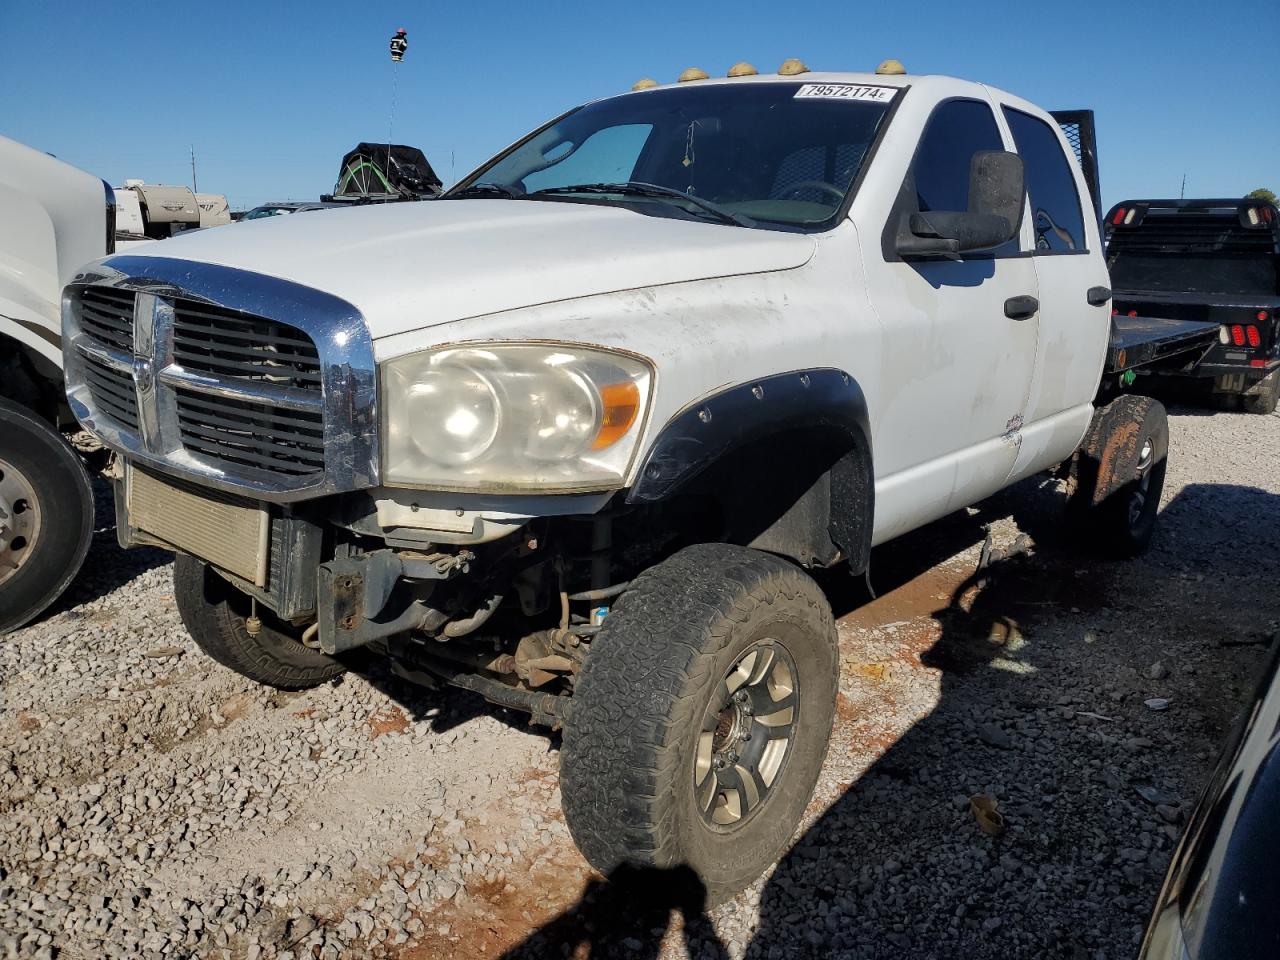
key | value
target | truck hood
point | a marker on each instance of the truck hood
(406, 266)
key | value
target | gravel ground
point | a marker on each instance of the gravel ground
(152, 803)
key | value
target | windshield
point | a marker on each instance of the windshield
(775, 152)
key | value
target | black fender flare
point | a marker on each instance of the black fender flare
(823, 401)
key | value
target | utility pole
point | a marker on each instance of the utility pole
(194, 188)
(1182, 194)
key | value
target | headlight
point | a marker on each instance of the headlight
(529, 417)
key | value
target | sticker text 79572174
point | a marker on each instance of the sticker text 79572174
(846, 91)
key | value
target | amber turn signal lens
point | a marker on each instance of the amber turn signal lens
(621, 403)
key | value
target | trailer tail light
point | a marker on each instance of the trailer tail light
(1262, 316)
(1259, 217)
(1254, 339)
(1257, 363)
(1132, 313)
(1119, 217)
(1224, 334)
(1237, 335)
(1115, 311)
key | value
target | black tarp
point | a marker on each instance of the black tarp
(385, 171)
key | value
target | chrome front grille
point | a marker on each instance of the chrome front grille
(107, 316)
(252, 436)
(223, 343)
(229, 347)
(113, 392)
(244, 382)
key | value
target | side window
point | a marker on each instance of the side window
(1055, 203)
(956, 131)
(607, 156)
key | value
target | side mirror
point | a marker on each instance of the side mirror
(996, 190)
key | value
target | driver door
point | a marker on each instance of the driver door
(960, 340)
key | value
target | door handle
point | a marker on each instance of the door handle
(1021, 308)
(1097, 296)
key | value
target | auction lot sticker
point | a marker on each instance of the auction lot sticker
(846, 91)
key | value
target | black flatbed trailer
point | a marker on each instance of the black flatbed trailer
(1144, 341)
(1208, 260)
(1136, 341)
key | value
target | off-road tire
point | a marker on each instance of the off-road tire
(1102, 508)
(1263, 395)
(626, 765)
(214, 613)
(51, 469)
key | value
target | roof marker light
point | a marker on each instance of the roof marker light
(693, 73)
(742, 69)
(792, 68)
(644, 83)
(891, 68)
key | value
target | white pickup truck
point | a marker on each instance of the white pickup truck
(53, 219)
(572, 435)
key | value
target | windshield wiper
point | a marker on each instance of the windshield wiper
(637, 189)
(487, 190)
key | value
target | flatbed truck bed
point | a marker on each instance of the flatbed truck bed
(1141, 341)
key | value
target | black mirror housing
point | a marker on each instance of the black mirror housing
(997, 188)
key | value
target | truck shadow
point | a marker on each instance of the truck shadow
(1042, 668)
(1034, 654)
(618, 916)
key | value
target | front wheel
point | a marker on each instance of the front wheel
(215, 613)
(46, 515)
(701, 718)
(1119, 476)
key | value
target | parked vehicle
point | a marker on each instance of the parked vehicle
(1219, 897)
(53, 219)
(152, 212)
(572, 435)
(1208, 260)
(286, 207)
(384, 173)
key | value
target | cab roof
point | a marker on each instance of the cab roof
(899, 80)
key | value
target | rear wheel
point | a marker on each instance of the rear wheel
(1120, 476)
(46, 515)
(215, 612)
(701, 718)
(1263, 395)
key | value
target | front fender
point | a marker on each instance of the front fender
(825, 405)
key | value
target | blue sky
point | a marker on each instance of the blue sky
(272, 94)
